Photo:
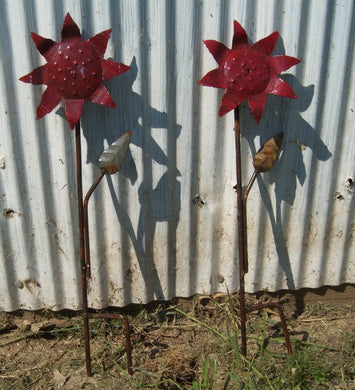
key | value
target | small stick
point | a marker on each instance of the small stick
(7, 328)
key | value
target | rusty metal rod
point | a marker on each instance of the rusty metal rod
(245, 221)
(284, 328)
(123, 319)
(82, 249)
(86, 223)
(243, 245)
(127, 332)
(278, 305)
(241, 232)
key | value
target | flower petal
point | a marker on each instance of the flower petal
(230, 101)
(217, 49)
(240, 38)
(101, 96)
(266, 45)
(49, 101)
(214, 78)
(281, 63)
(70, 28)
(257, 105)
(36, 76)
(73, 110)
(280, 87)
(111, 69)
(100, 41)
(42, 44)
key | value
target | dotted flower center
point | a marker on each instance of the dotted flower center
(247, 71)
(74, 69)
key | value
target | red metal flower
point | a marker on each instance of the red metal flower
(248, 72)
(74, 71)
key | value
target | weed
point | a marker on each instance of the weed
(207, 382)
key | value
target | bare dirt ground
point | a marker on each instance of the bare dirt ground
(172, 350)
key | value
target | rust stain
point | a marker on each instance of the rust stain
(10, 213)
(29, 284)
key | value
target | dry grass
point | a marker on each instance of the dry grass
(189, 344)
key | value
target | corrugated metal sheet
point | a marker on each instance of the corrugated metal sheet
(165, 225)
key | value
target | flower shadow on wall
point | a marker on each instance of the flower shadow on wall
(288, 171)
(134, 112)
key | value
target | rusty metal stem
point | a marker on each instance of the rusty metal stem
(245, 219)
(241, 231)
(86, 224)
(124, 320)
(82, 248)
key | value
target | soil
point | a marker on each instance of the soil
(45, 350)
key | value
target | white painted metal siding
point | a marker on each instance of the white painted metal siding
(165, 225)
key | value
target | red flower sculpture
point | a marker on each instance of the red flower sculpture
(74, 71)
(248, 72)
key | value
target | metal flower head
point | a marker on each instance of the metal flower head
(74, 71)
(248, 72)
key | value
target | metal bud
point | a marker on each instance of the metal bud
(266, 157)
(112, 158)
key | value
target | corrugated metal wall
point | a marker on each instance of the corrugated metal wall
(165, 225)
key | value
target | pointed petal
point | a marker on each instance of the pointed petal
(266, 45)
(70, 28)
(101, 96)
(111, 69)
(214, 78)
(280, 87)
(100, 41)
(36, 76)
(257, 105)
(230, 100)
(42, 44)
(217, 49)
(281, 63)
(49, 101)
(73, 110)
(240, 37)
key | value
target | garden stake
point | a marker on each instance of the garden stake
(278, 305)
(84, 297)
(74, 72)
(109, 163)
(249, 72)
(241, 232)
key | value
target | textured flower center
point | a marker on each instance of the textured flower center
(247, 71)
(74, 69)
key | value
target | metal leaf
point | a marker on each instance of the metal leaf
(266, 157)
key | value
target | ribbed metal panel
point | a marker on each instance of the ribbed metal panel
(165, 225)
